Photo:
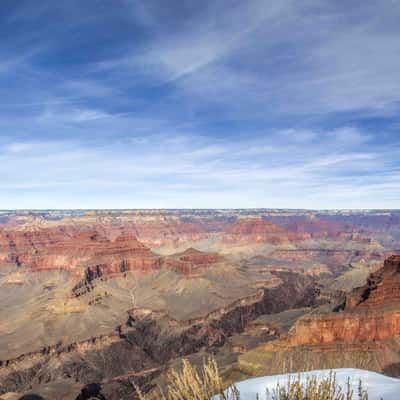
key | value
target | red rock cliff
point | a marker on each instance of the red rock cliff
(190, 259)
(57, 249)
(371, 313)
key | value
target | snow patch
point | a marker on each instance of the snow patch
(377, 385)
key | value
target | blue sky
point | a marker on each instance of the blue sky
(199, 104)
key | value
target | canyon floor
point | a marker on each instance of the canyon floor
(119, 297)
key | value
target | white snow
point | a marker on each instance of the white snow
(377, 385)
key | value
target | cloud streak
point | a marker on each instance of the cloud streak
(149, 173)
(246, 104)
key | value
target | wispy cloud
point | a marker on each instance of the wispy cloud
(290, 57)
(201, 169)
(291, 104)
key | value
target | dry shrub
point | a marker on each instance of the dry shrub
(188, 384)
(314, 389)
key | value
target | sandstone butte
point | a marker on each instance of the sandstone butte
(186, 261)
(55, 249)
(90, 251)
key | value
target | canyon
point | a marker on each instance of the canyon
(118, 297)
(362, 331)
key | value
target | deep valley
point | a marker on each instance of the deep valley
(119, 297)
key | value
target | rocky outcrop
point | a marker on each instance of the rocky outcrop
(257, 231)
(87, 250)
(147, 341)
(371, 313)
(382, 287)
(367, 322)
(194, 256)
(191, 259)
(346, 327)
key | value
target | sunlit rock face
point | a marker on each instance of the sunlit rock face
(55, 248)
(114, 296)
(361, 332)
(371, 313)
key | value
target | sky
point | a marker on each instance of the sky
(199, 104)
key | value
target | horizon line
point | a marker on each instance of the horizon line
(196, 209)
